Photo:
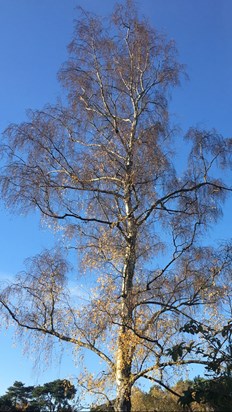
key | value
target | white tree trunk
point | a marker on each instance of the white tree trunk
(123, 375)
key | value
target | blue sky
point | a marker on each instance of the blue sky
(33, 39)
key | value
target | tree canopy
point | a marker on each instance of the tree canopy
(53, 396)
(102, 170)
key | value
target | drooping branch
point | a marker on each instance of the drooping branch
(60, 336)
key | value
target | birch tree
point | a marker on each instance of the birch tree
(101, 169)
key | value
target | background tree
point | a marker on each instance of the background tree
(17, 397)
(210, 394)
(155, 400)
(53, 396)
(215, 392)
(102, 170)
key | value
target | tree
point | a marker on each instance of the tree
(214, 394)
(17, 397)
(55, 396)
(156, 400)
(51, 397)
(101, 168)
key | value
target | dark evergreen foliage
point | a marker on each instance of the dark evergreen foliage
(55, 396)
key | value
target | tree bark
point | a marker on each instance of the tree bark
(123, 374)
(125, 341)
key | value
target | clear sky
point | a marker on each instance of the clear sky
(33, 39)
